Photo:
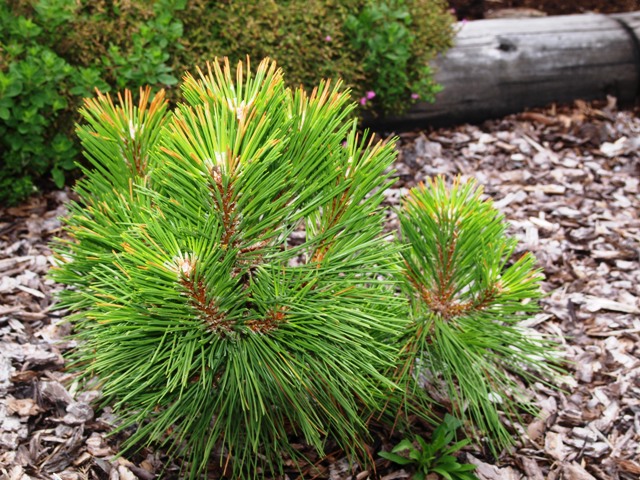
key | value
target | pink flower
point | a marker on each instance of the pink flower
(327, 38)
(370, 94)
(415, 96)
(452, 11)
(363, 101)
(464, 21)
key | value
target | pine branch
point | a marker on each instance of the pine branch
(466, 303)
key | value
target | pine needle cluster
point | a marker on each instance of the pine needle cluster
(232, 286)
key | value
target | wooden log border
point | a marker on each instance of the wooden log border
(503, 66)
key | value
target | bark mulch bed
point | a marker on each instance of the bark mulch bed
(566, 178)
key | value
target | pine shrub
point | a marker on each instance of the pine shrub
(232, 285)
(196, 309)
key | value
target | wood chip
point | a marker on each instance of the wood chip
(573, 471)
(596, 304)
(487, 471)
(554, 446)
(613, 254)
(630, 466)
(97, 446)
(546, 188)
(532, 469)
(23, 407)
(538, 118)
(31, 291)
(11, 262)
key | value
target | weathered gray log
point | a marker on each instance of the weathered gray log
(503, 66)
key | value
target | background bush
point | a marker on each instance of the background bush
(54, 52)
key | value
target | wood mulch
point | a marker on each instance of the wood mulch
(566, 178)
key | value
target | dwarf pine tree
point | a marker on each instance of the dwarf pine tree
(232, 286)
(467, 299)
(207, 324)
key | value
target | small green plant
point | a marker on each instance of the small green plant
(385, 32)
(437, 456)
(195, 308)
(233, 285)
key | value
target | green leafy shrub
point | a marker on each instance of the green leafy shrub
(396, 68)
(54, 52)
(436, 456)
(34, 133)
(381, 46)
(233, 286)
